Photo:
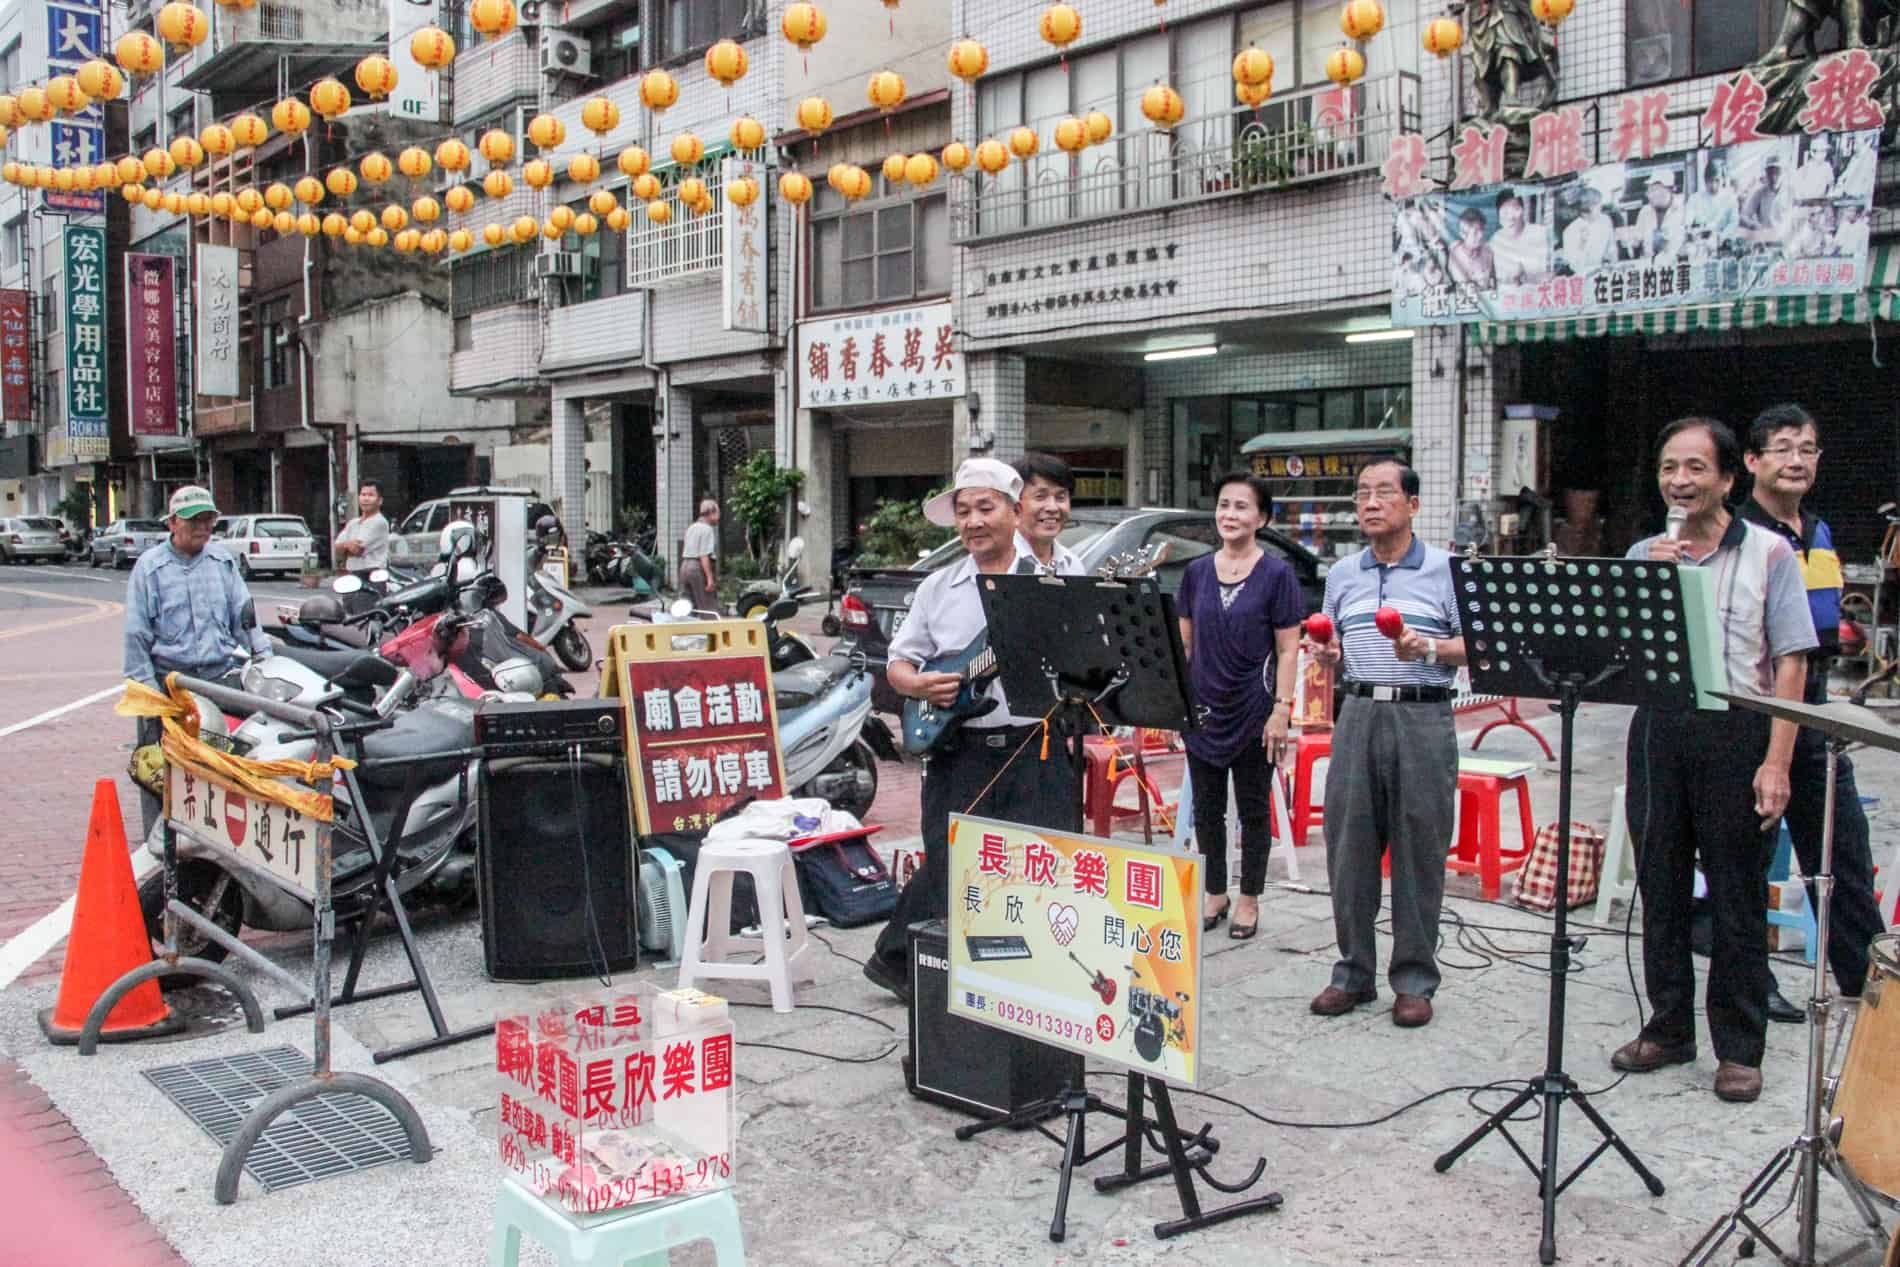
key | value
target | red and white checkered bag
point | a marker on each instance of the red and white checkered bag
(1537, 878)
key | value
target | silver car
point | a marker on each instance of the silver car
(123, 540)
(30, 539)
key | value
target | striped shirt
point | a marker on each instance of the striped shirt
(1418, 586)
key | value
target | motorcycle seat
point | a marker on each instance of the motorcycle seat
(344, 668)
(439, 728)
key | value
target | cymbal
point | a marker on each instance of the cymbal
(1841, 720)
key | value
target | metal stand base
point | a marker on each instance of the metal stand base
(1183, 1167)
(1805, 1158)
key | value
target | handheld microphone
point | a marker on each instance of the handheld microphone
(1678, 515)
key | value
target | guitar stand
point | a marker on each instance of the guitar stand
(1181, 1164)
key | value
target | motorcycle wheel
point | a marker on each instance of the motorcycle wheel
(209, 891)
(572, 646)
(831, 626)
(858, 763)
(752, 609)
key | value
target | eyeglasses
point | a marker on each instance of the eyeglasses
(1384, 493)
(1782, 452)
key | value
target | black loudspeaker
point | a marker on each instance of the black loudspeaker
(965, 1066)
(557, 870)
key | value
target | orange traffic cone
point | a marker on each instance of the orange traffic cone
(108, 940)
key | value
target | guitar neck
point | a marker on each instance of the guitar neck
(982, 666)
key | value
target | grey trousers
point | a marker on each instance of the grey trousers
(1392, 779)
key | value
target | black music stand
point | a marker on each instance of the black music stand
(1612, 631)
(1107, 650)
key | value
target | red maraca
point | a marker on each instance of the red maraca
(1319, 627)
(1390, 622)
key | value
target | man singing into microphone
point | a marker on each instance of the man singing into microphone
(1709, 783)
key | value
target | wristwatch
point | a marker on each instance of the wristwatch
(1431, 651)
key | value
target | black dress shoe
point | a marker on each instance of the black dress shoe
(1779, 1009)
(881, 975)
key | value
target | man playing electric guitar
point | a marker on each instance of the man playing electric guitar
(992, 764)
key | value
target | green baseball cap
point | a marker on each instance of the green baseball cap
(191, 501)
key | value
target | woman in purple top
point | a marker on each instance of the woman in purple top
(1240, 611)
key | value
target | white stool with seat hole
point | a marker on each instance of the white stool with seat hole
(640, 1236)
(710, 947)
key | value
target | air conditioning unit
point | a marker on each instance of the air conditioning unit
(662, 918)
(565, 53)
(559, 264)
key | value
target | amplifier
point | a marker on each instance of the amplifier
(506, 728)
(965, 1066)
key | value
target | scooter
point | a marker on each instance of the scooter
(553, 609)
(829, 737)
(757, 596)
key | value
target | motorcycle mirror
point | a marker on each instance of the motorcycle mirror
(349, 583)
(681, 608)
(458, 540)
(794, 550)
(783, 609)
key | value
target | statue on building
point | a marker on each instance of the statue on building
(1514, 63)
(1784, 70)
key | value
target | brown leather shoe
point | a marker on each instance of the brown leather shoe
(1333, 1001)
(1642, 1055)
(1409, 1011)
(1738, 1084)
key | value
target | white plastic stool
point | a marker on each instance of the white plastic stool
(1614, 882)
(1281, 827)
(709, 944)
(640, 1236)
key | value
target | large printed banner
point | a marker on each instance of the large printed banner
(75, 33)
(86, 435)
(1078, 942)
(1744, 216)
(16, 355)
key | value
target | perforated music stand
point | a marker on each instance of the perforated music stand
(1613, 631)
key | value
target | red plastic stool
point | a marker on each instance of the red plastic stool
(1314, 746)
(1481, 786)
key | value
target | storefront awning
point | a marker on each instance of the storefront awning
(1880, 301)
(1367, 439)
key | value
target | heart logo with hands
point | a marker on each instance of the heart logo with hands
(1063, 921)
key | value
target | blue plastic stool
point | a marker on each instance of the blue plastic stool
(641, 1236)
(1780, 870)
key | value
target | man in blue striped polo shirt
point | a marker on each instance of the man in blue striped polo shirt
(1393, 776)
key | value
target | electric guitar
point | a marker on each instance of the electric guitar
(926, 725)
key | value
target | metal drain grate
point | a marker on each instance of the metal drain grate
(317, 1139)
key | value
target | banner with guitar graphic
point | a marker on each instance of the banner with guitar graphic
(1082, 943)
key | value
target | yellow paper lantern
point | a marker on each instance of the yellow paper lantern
(687, 149)
(1345, 64)
(497, 146)
(130, 170)
(586, 225)
(284, 222)
(406, 241)
(620, 219)
(131, 193)
(249, 131)
(992, 156)
(956, 156)
(795, 188)
(183, 25)
(1361, 19)
(1072, 135)
(394, 218)
(658, 212)
(278, 196)
(814, 114)
(153, 198)
(600, 115)
(363, 221)
(1443, 36)
(633, 161)
(525, 228)
(1254, 95)
(341, 182)
(460, 240)
(329, 98)
(546, 131)
(1162, 106)
(376, 167)
(63, 180)
(561, 217)
(498, 184)
(968, 60)
(198, 204)
(10, 172)
(602, 202)
(376, 76)
(309, 224)
(377, 237)
(249, 201)
(159, 164)
(432, 48)
(35, 106)
(290, 116)
(174, 203)
(1023, 143)
(692, 190)
(854, 184)
(426, 209)
(186, 152)
(646, 187)
(105, 175)
(414, 162)
(537, 173)
(460, 199)
(10, 115)
(83, 179)
(494, 234)
(66, 94)
(742, 192)
(238, 4)
(351, 236)
(223, 204)
(452, 156)
(658, 91)
(1060, 25)
(138, 54)
(492, 19)
(894, 167)
(263, 218)
(726, 62)
(747, 133)
(309, 191)
(334, 225)
(1100, 126)
(433, 241)
(583, 169)
(99, 79)
(920, 170)
(1552, 12)
(885, 90)
(1253, 66)
(803, 25)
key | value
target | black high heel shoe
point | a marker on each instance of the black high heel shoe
(1210, 922)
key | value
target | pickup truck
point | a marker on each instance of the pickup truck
(877, 600)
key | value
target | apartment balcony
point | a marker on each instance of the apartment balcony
(608, 331)
(1297, 139)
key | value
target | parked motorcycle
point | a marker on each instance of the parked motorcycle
(756, 596)
(828, 735)
(553, 609)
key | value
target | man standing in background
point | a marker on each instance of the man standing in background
(363, 545)
(699, 577)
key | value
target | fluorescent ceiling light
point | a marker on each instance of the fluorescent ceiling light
(1380, 336)
(1182, 354)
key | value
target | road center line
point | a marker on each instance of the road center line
(99, 607)
(61, 711)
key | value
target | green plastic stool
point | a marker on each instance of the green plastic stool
(642, 1236)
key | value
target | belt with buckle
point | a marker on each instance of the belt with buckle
(1399, 694)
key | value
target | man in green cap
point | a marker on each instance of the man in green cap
(187, 610)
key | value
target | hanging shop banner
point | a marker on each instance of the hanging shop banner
(743, 272)
(1087, 944)
(1762, 218)
(16, 355)
(217, 320)
(151, 381)
(418, 93)
(879, 358)
(86, 344)
(701, 721)
(74, 35)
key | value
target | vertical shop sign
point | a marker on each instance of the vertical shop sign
(151, 383)
(86, 343)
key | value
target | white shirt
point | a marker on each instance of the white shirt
(700, 540)
(1812, 180)
(1851, 237)
(1062, 560)
(373, 532)
(1669, 225)
(1521, 257)
(1587, 243)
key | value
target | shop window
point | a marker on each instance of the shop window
(280, 22)
(1669, 40)
(279, 337)
(1210, 431)
(616, 48)
(490, 279)
(881, 250)
(686, 28)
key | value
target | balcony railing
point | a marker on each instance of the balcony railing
(1315, 134)
(688, 244)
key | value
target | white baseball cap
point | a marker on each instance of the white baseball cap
(191, 501)
(974, 473)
